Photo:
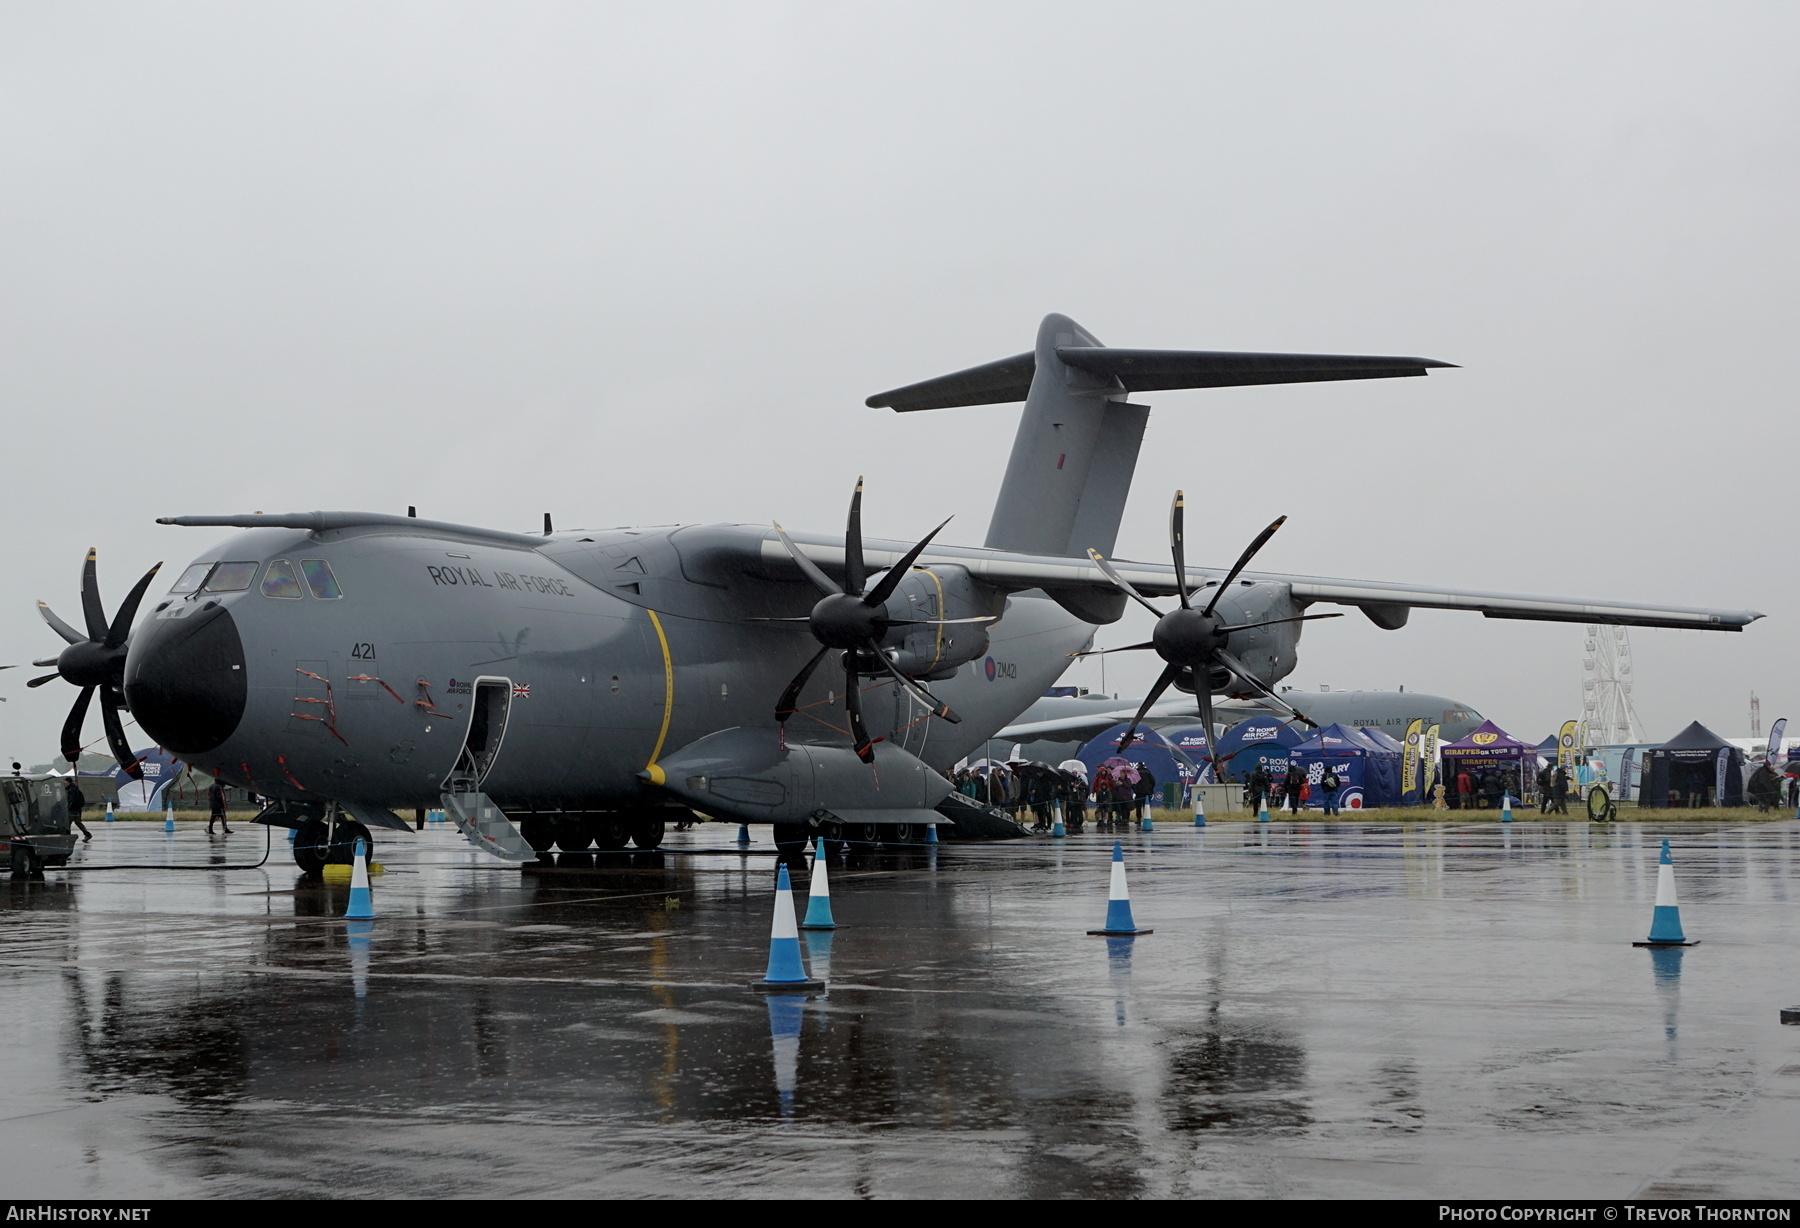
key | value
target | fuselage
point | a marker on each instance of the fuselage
(346, 664)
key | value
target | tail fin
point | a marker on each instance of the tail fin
(1077, 446)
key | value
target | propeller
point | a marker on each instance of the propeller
(852, 619)
(1192, 640)
(96, 662)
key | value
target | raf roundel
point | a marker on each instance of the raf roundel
(988, 665)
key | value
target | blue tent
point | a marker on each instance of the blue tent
(1259, 741)
(1190, 740)
(1149, 748)
(1369, 771)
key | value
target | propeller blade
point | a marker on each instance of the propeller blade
(71, 730)
(1303, 618)
(1178, 548)
(826, 583)
(1100, 652)
(897, 572)
(115, 735)
(1169, 674)
(1203, 693)
(1244, 561)
(1123, 584)
(855, 573)
(802, 618)
(938, 707)
(865, 750)
(69, 634)
(41, 663)
(121, 624)
(938, 622)
(92, 612)
(42, 679)
(785, 707)
(1243, 671)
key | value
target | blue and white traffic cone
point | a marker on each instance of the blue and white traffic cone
(1057, 830)
(293, 832)
(1144, 821)
(743, 833)
(1199, 808)
(109, 812)
(931, 833)
(818, 894)
(1262, 815)
(169, 819)
(786, 969)
(1665, 920)
(1118, 904)
(362, 904)
(1506, 808)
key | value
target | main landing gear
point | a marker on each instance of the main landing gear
(610, 831)
(319, 843)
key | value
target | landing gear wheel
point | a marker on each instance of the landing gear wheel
(610, 832)
(868, 834)
(539, 833)
(790, 837)
(834, 839)
(648, 833)
(343, 842)
(309, 846)
(572, 835)
(903, 833)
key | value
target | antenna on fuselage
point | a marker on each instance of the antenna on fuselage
(546, 524)
(412, 511)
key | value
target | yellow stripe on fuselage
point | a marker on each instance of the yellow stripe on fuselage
(668, 689)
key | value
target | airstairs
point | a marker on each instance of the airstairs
(484, 823)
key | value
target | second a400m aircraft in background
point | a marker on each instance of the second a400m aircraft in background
(589, 685)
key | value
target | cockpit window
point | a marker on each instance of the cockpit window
(231, 577)
(319, 579)
(190, 579)
(280, 580)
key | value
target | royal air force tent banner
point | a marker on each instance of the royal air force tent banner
(1259, 741)
(1149, 747)
(1369, 771)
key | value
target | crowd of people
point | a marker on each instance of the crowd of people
(1118, 790)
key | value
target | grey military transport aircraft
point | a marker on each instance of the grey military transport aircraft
(590, 685)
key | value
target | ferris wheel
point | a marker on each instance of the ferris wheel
(1606, 704)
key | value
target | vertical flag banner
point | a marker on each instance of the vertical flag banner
(1430, 755)
(1409, 763)
(1565, 747)
(1624, 792)
(1581, 739)
(1724, 757)
(1776, 731)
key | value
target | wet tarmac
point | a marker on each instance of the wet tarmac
(1352, 1011)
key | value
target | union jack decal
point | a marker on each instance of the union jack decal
(521, 690)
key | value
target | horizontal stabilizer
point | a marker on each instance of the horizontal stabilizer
(1009, 379)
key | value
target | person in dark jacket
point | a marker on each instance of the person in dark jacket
(1764, 788)
(1258, 788)
(1144, 791)
(215, 807)
(77, 802)
(1291, 788)
(1329, 784)
(1546, 782)
(1559, 790)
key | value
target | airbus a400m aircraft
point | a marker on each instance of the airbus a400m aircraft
(589, 685)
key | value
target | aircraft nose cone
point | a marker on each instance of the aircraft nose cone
(184, 679)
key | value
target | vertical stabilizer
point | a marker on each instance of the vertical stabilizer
(1073, 457)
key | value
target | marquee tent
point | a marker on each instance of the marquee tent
(1165, 761)
(1686, 770)
(1490, 749)
(1369, 771)
(1260, 741)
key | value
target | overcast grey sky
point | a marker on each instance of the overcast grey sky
(642, 263)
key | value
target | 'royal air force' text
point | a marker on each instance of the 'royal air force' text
(548, 585)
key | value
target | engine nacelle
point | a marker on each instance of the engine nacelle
(939, 591)
(1268, 652)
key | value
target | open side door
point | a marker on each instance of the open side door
(490, 704)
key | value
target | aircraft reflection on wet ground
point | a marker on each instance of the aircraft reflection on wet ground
(1431, 1011)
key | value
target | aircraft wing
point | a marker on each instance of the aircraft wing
(1386, 603)
(1091, 724)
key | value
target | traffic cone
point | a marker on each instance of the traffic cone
(931, 833)
(362, 905)
(1199, 808)
(292, 833)
(1144, 821)
(818, 894)
(1262, 815)
(786, 969)
(1665, 921)
(109, 813)
(169, 818)
(743, 833)
(1506, 807)
(1118, 904)
(1057, 830)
